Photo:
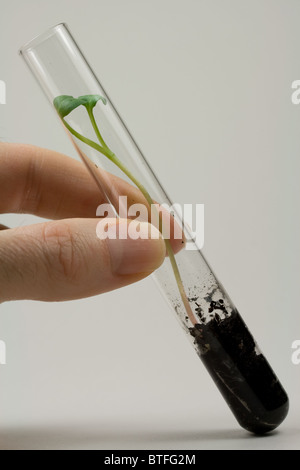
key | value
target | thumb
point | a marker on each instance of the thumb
(64, 260)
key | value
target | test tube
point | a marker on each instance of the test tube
(208, 316)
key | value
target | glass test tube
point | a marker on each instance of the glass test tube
(210, 320)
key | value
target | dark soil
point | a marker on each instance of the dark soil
(244, 377)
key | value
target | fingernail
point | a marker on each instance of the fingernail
(134, 255)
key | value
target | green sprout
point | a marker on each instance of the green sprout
(64, 105)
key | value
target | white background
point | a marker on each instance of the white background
(205, 88)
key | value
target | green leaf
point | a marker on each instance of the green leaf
(64, 104)
(90, 101)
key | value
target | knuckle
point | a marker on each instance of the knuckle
(62, 251)
(31, 196)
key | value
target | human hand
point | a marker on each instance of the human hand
(63, 259)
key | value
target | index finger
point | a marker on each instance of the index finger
(51, 185)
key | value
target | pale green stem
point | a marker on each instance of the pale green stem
(96, 129)
(105, 150)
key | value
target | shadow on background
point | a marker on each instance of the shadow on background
(92, 437)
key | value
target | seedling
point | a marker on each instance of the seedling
(64, 105)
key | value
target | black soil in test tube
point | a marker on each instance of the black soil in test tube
(241, 373)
